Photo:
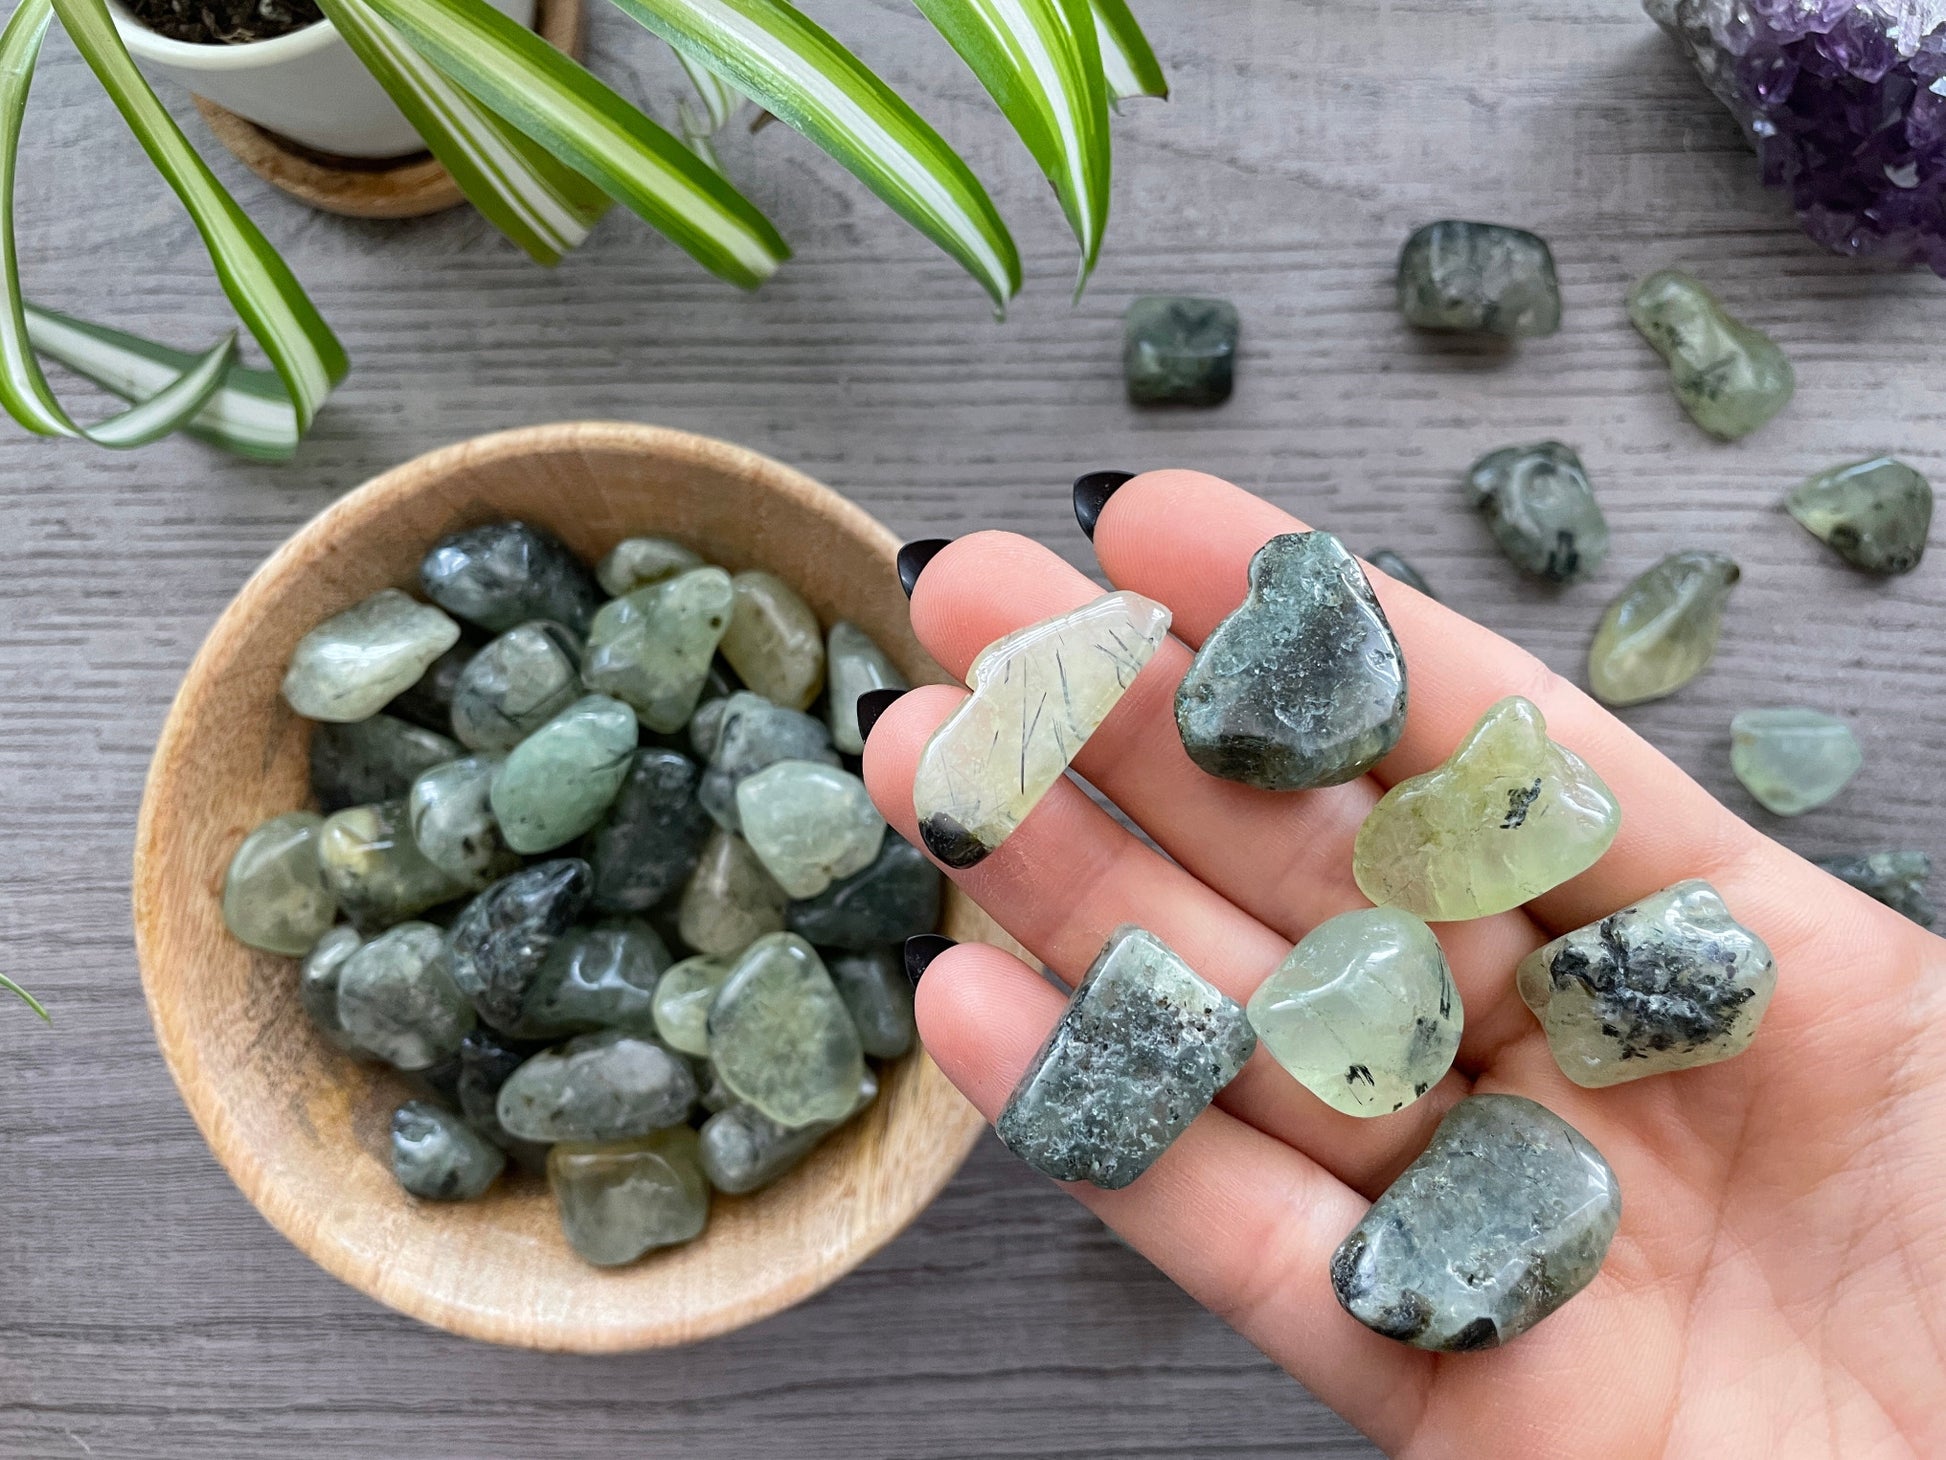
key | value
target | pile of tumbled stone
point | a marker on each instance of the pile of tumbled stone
(613, 892)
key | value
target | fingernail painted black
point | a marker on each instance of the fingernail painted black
(920, 952)
(1091, 493)
(872, 704)
(914, 556)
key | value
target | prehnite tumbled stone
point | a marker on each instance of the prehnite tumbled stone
(652, 648)
(1179, 351)
(275, 896)
(1874, 514)
(654, 832)
(515, 685)
(508, 573)
(353, 663)
(610, 1086)
(485, 1061)
(378, 759)
(1509, 816)
(889, 901)
(1506, 1215)
(854, 664)
(618, 1201)
(875, 988)
(1897, 879)
(706, 727)
(1541, 510)
(376, 870)
(809, 824)
(636, 562)
(603, 977)
(730, 901)
(438, 1156)
(397, 999)
(743, 1150)
(502, 939)
(1661, 630)
(1793, 760)
(1363, 1012)
(428, 703)
(1399, 570)
(773, 641)
(1479, 278)
(1303, 685)
(782, 1038)
(452, 821)
(317, 981)
(1668, 984)
(682, 1002)
(1038, 694)
(560, 781)
(1729, 377)
(1144, 1046)
(754, 733)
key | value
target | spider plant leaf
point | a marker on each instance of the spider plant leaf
(1127, 60)
(584, 125)
(544, 207)
(719, 98)
(33, 1003)
(776, 56)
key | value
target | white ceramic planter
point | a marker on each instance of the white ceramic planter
(307, 86)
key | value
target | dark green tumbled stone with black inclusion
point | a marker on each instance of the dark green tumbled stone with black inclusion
(1479, 278)
(1179, 351)
(1539, 505)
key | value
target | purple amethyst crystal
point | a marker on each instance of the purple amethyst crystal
(1845, 102)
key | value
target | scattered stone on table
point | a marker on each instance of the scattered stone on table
(639, 562)
(1479, 278)
(730, 901)
(1506, 1215)
(317, 981)
(1038, 694)
(1141, 1051)
(743, 1150)
(774, 642)
(1542, 511)
(486, 1060)
(364, 761)
(754, 733)
(351, 665)
(560, 781)
(1179, 351)
(854, 664)
(1303, 685)
(706, 727)
(683, 998)
(376, 870)
(874, 987)
(428, 703)
(1874, 514)
(1509, 816)
(889, 901)
(602, 977)
(1897, 879)
(397, 1000)
(614, 1085)
(508, 573)
(1399, 570)
(1729, 377)
(515, 685)
(275, 895)
(809, 824)
(1793, 760)
(1363, 1012)
(1661, 630)
(1668, 984)
(621, 1200)
(782, 1038)
(652, 648)
(452, 821)
(503, 938)
(654, 832)
(438, 1156)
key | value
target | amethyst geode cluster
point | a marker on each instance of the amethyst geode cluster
(1845, 101)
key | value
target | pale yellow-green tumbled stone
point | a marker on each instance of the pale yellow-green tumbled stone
(773, 641)
(1661, 630)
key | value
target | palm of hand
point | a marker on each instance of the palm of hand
(1778, 1283)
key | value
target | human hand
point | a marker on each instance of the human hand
(1778, 1282)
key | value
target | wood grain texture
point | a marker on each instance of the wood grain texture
(145, 1309)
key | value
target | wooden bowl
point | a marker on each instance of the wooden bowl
(304, 1129)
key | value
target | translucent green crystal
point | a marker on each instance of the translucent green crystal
(652, 648)
(452, 821)
(604, 977)
(1479, 278)
(744, 1150)
(809, 824)
(730, 901)
(396, 999)
(502, 574)
(751, 734)
(1874, 514)
(1539, 505)
(372, 760)
(773, 641)
(437, 1156)
(1661, 630)
(609, 1086)
(1793, 760)
(317, 981)
(875, 988)
(622, 1199)
(637, 562)
(275, 896)
(1179, 351)
(515, 685)
(559, 781)
(1729, 377)
(376, 870)
(353, 663)
(782, 1038)
(853, 665)
(683, 998)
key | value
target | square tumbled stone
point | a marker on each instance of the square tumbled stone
(1179, 351)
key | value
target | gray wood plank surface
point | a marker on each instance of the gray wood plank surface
(145, 1310)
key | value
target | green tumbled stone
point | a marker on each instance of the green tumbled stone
(1661, 630)
(773, 642)
(682, 1002)
(275, 895)
(652, 648)
(1541, 510)
(730, 901)
(1479, 278)
(875, 988)
(654, 832)
(1729, 377)
(1399, 570)
(1143, 1048)
(1897, 879)
(638, 562)
(376, 870)
(515, 685)
(1670, 983)
(809, 824)
(619, 1201)
(753, 734)
(603, 977)
(853, 665)
(485, 1061)
(782, 1038)
(743, 1150)
(1363, 1012)
(508, 573)
(611, 1086)
(438, 1156)
(452, 821)
(706, 727)
(372, 760)
(559, 781)
(502, 939)
(317, 981)
(1874, 514)
(1506, 1215)
(1179, 351)
(429, 702)
(1509, 816)
(397, 1000)
(1303, 685)
(353, 663)
(1793, 760)
(894, 898)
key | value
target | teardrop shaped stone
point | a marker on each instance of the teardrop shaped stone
(275, 896)
(875, 988)
(754, 734)
(503, 937)
(428, 703)
(397, 1000)
(782, 1038)
(604, 977)
(1363, 1011)
(730, 900)
(560, 781)
(1874, 514)
(1897, 879)
(1038, 694)
(437, 1156)
(1729, 377)
(452, 821)
(372, 760)
(683, 999)
(1399, 570)
(1509, 816)
(854, 664)
(652, 647)
(506, 573)
(654, 832)
(773, 642)
(1542, 511)
(809, 824)
(620, 1200)
(895, 897)
(317, 981)
(1793, 760)
(637, 562)
(1661, 630)
(743, 1150)
(1479, 278)
(610, 1086)
(376, 870)
(351, 665)
(515, 685)
(1303, 685)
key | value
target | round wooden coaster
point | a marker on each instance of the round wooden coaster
(362, 187)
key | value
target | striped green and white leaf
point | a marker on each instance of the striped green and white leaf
(584, 125)
(775, 55)
(544, 207)
(9, 986)
(1127, 60)
(719, 98)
